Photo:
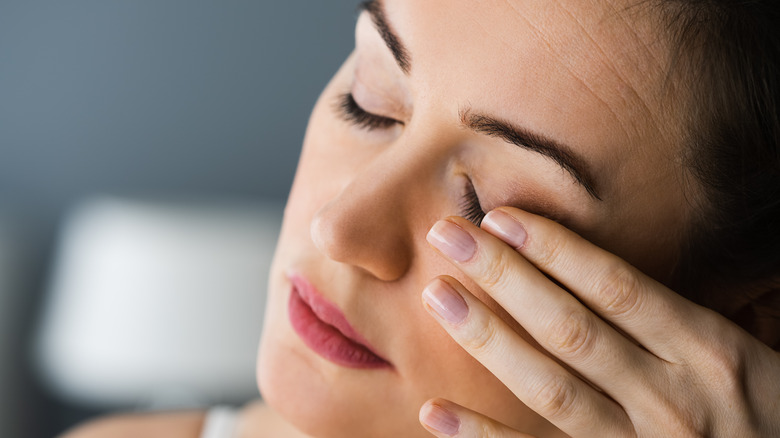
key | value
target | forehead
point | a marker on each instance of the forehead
(589, 73)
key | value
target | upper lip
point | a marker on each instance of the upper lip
(328, 312)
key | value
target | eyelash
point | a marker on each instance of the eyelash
(471, 209)
(349, 110)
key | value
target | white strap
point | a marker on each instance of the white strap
(220, 422)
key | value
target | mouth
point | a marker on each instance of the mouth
(324, 328)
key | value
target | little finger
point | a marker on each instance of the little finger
(446, 419)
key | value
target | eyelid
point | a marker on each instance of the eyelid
(349, 110)
(376, 100)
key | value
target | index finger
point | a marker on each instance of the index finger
(640, 306)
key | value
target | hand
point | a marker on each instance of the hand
(646, 361)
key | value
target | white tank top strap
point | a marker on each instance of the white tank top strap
(221, 422)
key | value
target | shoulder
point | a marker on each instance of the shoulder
(184, 424)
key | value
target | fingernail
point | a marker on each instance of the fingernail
(441, 420)
(446, 302)
(507, 227)
(452, 240)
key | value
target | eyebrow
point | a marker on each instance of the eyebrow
(376, 11)
(563, 155)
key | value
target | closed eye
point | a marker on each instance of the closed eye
(471, 208)
(349, 110)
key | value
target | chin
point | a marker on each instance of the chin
(306, 410)
(324, 400)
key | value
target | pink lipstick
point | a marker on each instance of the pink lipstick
(325, 329)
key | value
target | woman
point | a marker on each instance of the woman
(647, 128)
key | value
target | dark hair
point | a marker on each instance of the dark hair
(729, 51)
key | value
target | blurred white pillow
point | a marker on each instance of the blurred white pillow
(158, 305)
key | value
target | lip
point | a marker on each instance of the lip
(324, 328)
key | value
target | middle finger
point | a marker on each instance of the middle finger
(553, 317)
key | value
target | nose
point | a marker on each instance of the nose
(367, 223)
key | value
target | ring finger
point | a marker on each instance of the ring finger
(553, 317)
(538, 381)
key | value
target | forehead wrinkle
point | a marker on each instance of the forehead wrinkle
(551, 49)
(609, 61)
(659, 60)
(608, 64)
(488, 31)
(625, 124)
(656, 58)
(621, 14)
(530, 23)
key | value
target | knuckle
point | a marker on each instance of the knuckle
(495, 271)
(575, 334)
(678, 420)
(680, 424)
(724, 364)
(555, 398)
(553, 249)
(618, 291)
(482, 338)
(486, 430)
(728, 363)
(717, 354)
(489, 430)
(493, 429)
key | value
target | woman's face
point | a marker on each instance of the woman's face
(558, 108)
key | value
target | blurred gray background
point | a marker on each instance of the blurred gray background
(143, 98)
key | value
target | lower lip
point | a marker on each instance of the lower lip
(326, 340)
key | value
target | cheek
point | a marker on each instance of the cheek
(321, 168)
(432, 364)
(436, 365)
(330, 155)
(453, 374)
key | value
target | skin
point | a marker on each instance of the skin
(587, 74)
(640, 360)
(604, 350)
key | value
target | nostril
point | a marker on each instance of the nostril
(372, 245)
